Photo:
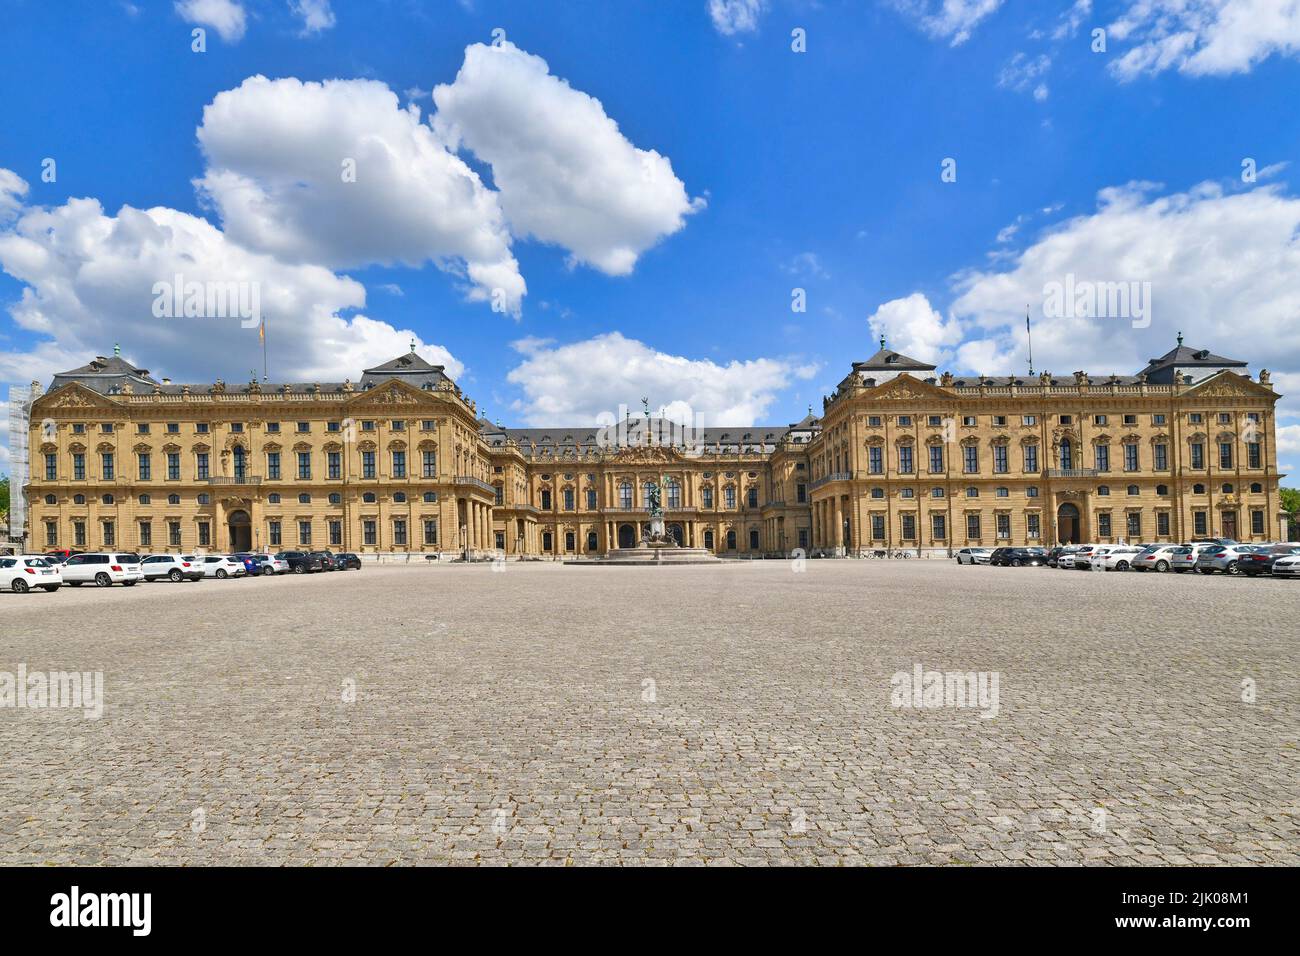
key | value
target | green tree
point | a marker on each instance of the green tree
(4, 494)
(1291, 505)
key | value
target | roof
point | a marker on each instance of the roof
(408, 368)
(637, 432)
(106, 376)
(886, 360)
(1161, 370)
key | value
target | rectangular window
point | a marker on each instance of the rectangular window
(1000, 459)
(273, 428)
(1199, 524)
(429, 464)
(273, 465)
(273, 533)
(1103, 524)
(336, 532)
(333, 426)
(501, 494)
(399, 464)
(938, 528)
(568, 499)
(201, 465)
(1000, 421)
(174, 534)
(1004, 526)
(430, 531)
(201, 428)
(78, 466)
(1134, 525)
(173, 428)
(1225, 454)
(1101, 457)
(591, 499)
(1252, 454)
(1157, 419)
(1029, 419)
(801, 493)
(304, 427)
(1031, 459)
(1161, 457)
(205, 534)
(1257, 522)
(973, 527)
(399, 426)
(1032, 529)
(905, 421)
(110, 534)
(876, 460)
(936, 459)
(399, 533)
(935, 421)
(1131, 457)
(51, 534)
(368, 532)
(51, 467)
(145, 465)
(909, 527)
(877, 527)
(79, 534)
(334, 464)
(142, 429)
(367, 464)
(729, 497)
(1198, 454)
(304, 532)
(146, 534)
(1099, 419)
(971, 459)
(304, 464)
(1162, 524)
(905, 465)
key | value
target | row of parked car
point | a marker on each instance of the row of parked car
(50, 571)
(1210, 556)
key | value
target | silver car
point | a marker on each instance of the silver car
(1222, 557)
(974, 555)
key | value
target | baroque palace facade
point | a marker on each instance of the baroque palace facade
(900, 458)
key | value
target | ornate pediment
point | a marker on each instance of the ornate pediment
(646, 455)
(74, 395)
(906, 388)
(1226, 384)
(390, 394)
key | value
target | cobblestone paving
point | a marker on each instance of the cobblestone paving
(509, 718)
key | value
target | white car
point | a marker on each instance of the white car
(1114, 558)
(974, 555)
(1184, 557)
(1287, 566)
(1079, 552)
(172, 567)
(103, 569)
(1158, 557)
(221, 566)
(23, 572)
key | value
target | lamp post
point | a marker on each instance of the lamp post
(464, 543)
(519, 545)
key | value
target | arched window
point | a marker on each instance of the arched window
(592, 543)
(51, 500)
(674, 493)
(1162, 490)
(972, 492)
(336, 498)
(1198, 489)
(145, 499)
(1256, 488)
(368, 497)
(753, 539)
(205, 499)
(400, 497)
(708, 540)
(430, 496)
(1227, 488)
(729, 502)
(107, 499)
(645, 494)
(1133, 490)
(751, 496)
(241, 463)
(1103, 490)
(1067, 454)
(546, 500)
(625, 495)
(78, 499)
(568, 500)
(706, 496)
(731, 540)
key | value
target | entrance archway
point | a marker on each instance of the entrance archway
(708, 540)
(626, 536)
(241, 531)
(678, 535)
(1067, 524)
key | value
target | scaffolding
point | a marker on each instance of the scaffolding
(20, 416)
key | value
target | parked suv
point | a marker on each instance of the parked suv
(173, 567)
(347, 561)
(22, 572)
(221, 566)
(268, 564)
(103, 569)
(301, 562)
(327, 559)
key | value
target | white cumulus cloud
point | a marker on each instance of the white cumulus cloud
(338, 173)
(951, 20)
(575, 383)
(913, 326)
(316, 15)
(736, 16)
(564, 171)
(227, 17)
(1204, 37)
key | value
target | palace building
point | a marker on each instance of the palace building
(901, 457)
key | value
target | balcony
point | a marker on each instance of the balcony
(827, 479)
(1072, 473)
(475, 483)
(235, 480)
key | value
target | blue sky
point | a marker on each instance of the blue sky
(776, 170)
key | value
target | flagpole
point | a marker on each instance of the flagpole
(264, 378)
(1030, 334)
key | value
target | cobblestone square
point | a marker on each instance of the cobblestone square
(725, 715)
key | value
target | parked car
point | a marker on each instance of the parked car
(347, 561)
(22, 572)
(327, 559)
(1263, 560)
(270, 564)
(1287, 566)
(1075, 557)
(222, 566)
(1114, 558)
(973, 556)
(252, 566)
(173, 567)
(103, 569)
(998, 557)
(1025, 558)
(1184, 557)
(1156, 557)
(1220, 557)
(302, 562)
(60, 554)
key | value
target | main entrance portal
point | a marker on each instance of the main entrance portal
(1067, 524)
(241, 531)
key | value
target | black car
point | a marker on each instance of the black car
(1026, 557)
(327, 560)
(1051, 556)
(1261, 561)
(1001, 557)
(302, 562)
(347, 561)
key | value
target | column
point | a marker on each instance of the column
(839, 527)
